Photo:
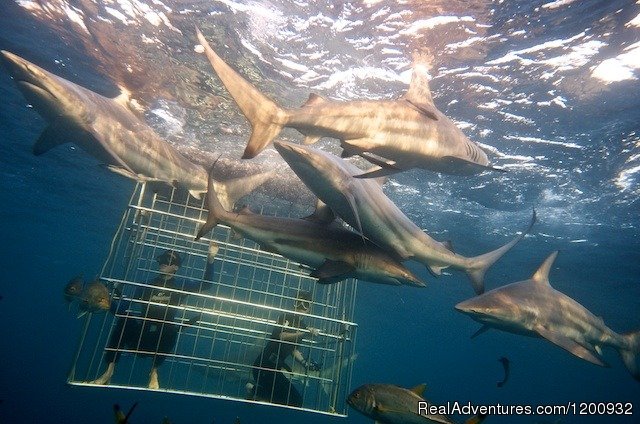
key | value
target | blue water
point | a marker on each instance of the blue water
(60, 211)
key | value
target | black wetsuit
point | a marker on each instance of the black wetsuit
(157, 333)
(271, 384)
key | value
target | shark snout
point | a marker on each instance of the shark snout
(466, 307)
(19, 68)
(288, 151)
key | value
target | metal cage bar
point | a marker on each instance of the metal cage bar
(231, 297)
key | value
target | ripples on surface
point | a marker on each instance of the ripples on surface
(547, 89)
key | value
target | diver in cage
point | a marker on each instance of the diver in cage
(271, 384)
(151, 330)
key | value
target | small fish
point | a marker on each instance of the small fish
(386, 403)
(120, 417)
(94, 298)
(505, 364)
(73, 289)
(214, 248)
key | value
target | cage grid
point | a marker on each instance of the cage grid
(232, 294)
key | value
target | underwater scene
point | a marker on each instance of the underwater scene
(229, 211)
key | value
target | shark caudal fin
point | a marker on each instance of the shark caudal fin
(216, 210)
(480, 264)
(267, 118)
(630, 355)
(230, 191)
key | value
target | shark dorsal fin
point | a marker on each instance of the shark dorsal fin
(314, 99)
(419, 91)
(124, 97)
(541, 276)
(419, 390)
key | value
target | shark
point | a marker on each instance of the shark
(396, 135)
(364, 206)
(533, 308)
(107, 129)
(333, 252)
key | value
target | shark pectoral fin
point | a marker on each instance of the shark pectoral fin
(323, 214)
(54, 135)
(332, 271)
(463, 166)
(381, 162)
(197, 194)
(378, 172)
(570, 345)
(481, 330)
(310, 139)
(435, 269)
(127, 173)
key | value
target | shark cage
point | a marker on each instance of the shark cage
(228, 298)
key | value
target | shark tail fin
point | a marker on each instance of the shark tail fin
(476, 419)
(480, 264)
(630, 355)
(230, 191)
(266, 117)
(216, 210)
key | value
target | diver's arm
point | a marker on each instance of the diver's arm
(291, 336)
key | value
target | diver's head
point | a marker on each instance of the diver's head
(303, 301)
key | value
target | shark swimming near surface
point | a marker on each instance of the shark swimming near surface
(333, 252)
(533, 308)
(108, 130)
(394, 134)
(364, 206)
